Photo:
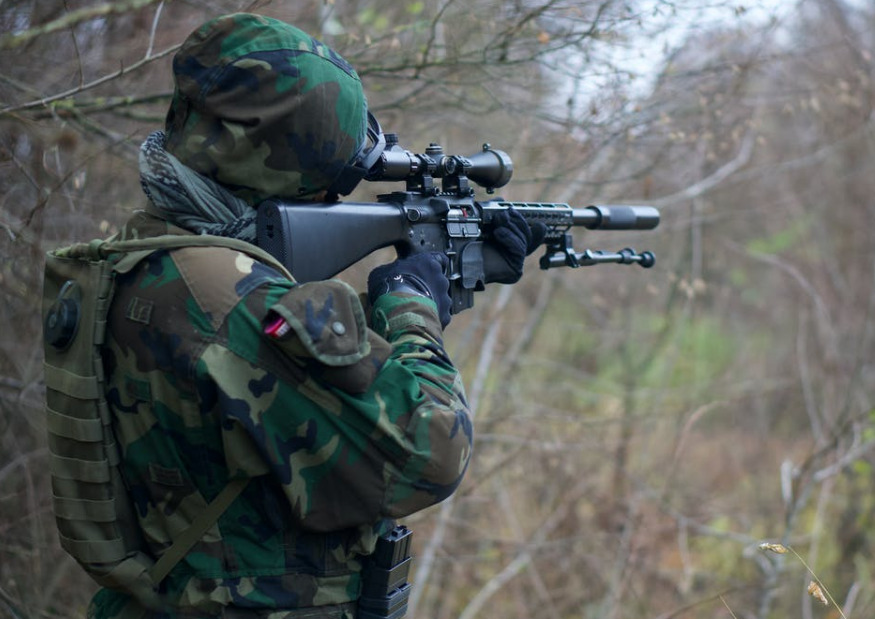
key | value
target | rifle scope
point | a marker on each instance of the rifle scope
(490, 168)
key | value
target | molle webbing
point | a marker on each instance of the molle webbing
(95, 521)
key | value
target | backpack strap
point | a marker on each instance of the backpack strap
(196, 530)
(137, 249)
(134, 251)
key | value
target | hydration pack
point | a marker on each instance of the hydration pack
(95, 518)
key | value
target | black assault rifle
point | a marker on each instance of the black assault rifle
(316, 241)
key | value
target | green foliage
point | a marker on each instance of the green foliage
(703, 350)
(374, 19)
(783, 240)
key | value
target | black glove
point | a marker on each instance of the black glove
(422, 274)
(512, 240)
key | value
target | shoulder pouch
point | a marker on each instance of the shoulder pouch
(327, 331)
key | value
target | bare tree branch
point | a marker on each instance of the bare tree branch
(713, 180)
(154, 28)
(45, 101)
(12, 40)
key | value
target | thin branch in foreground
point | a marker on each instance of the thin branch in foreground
(98, 105)
(816, 588)
(45, 101)
(76, 49)
(728, 608)
(12, 40)
(154, 28)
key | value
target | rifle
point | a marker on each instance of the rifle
(316, 241)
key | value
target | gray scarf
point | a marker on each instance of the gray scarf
(188, 199)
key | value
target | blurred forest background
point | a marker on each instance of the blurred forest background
(639, 432)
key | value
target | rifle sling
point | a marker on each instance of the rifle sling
(137, 250)
(201, 524)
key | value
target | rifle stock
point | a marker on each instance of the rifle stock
(316, 241)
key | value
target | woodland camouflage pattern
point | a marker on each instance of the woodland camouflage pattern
(340, 427)
(264, 109)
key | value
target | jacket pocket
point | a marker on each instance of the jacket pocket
(323, 325)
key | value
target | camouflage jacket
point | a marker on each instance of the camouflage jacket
(339, 426)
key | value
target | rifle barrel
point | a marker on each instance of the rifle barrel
(602, 217)
(617, 217)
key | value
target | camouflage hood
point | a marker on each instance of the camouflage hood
(264, 109)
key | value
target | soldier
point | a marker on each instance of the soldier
(219, 368)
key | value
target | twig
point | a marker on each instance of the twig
(9, 603)
(802, 359)
(728, 608)
(21, 460)
(102, 104)
(684, 610)
(524, 557)
(783, 549)
(154, 28)
(13, 40)
(47, 193)
(846, 460)
(520, 562)
(102, 80)
(745, 152)
(824, 320)
(76, 49)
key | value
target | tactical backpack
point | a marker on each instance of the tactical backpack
(94, 516)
